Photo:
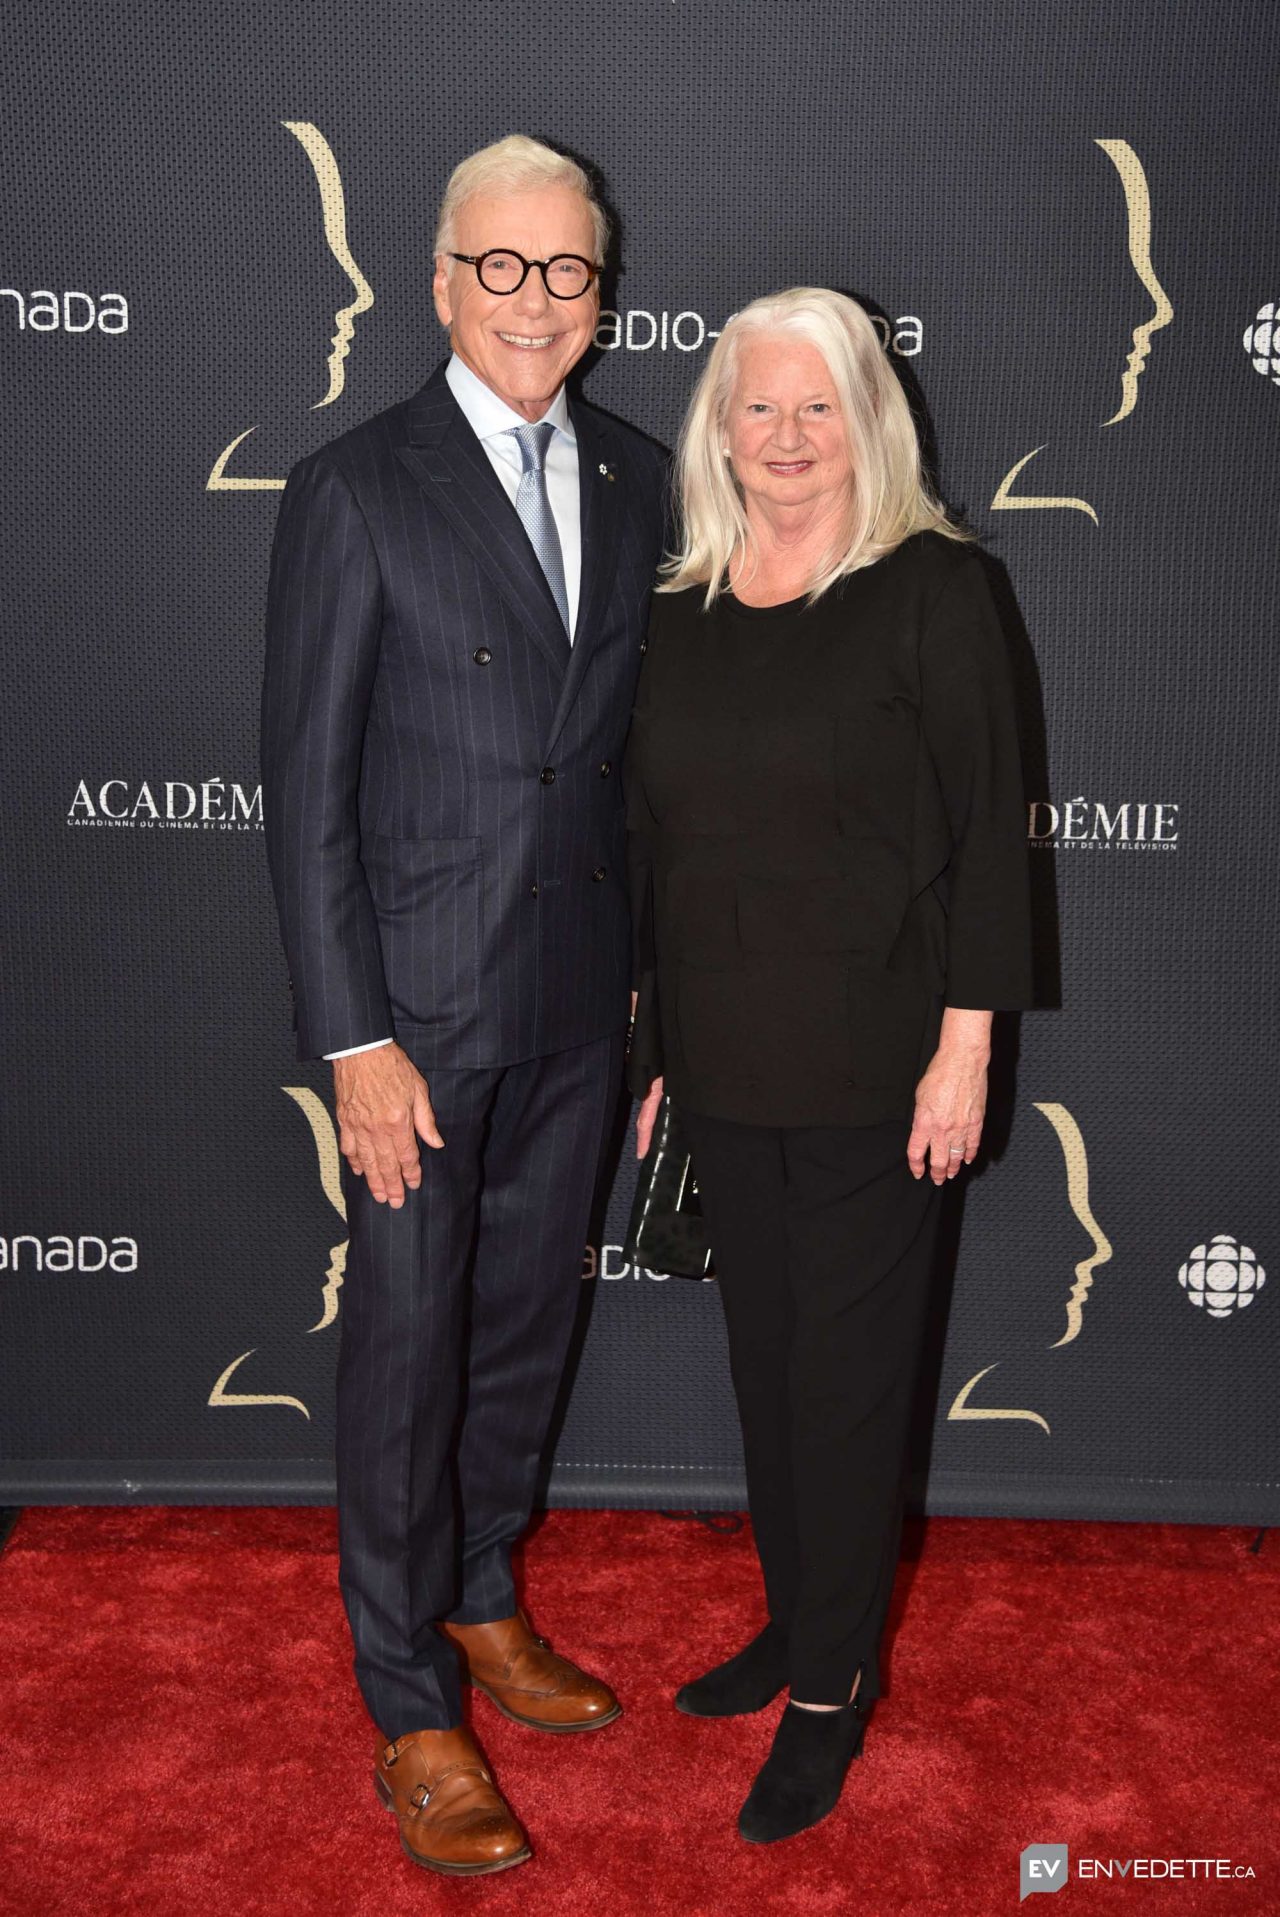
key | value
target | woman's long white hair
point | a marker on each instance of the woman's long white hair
(889, 497)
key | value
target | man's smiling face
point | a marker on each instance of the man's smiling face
(520, 344)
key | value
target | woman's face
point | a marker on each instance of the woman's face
(787, 440)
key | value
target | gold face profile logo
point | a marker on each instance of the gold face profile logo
(1138, 203)
(333, 206)
(326, 1143)
(1076, 1164)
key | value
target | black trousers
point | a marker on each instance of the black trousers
(823, 1245)
(456, 1318)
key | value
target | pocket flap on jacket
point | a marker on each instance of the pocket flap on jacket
(408, 876)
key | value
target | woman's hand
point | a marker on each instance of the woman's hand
(645, 1117)
(951, 1098)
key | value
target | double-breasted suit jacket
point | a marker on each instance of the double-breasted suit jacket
(828, 840)
(441, 769)
(443, 804)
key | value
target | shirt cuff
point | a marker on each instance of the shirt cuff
(351, 1050)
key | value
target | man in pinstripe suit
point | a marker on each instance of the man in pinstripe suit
(456, 614)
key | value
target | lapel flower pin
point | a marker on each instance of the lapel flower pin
(606, 470)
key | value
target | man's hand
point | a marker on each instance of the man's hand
(383, 1101)
(646, 1116)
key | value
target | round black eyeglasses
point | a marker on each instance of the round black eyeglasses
(566, 276)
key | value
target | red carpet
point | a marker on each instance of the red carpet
(183, 1733)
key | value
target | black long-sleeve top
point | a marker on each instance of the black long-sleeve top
(827, 840)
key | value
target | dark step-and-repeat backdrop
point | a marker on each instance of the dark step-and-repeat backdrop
(216, 256)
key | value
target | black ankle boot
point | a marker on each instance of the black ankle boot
(746, 1682)
(802, 1777)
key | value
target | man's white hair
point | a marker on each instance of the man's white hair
(516, 164)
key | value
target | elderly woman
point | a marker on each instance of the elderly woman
(829, 872)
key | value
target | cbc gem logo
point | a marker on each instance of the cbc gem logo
(1222, 1277)
(1262, 342)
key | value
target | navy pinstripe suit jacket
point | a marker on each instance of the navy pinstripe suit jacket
(441, 771)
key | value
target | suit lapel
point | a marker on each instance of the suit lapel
(453, 470)
(601, 484)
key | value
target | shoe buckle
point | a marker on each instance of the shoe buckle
(420, 1795)
(390, 1752)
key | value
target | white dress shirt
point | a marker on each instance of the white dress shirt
(491, 420)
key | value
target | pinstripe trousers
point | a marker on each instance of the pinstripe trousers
(457, 1314)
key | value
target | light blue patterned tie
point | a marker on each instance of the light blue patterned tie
(534, 508)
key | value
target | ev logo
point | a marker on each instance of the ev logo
(1041, 1867)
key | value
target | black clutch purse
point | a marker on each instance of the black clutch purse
(667, 1232)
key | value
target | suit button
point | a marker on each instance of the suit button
(482, 655)
(605, 769)
(548, 775)
(644, 645)
(599, 874)
(533, 891)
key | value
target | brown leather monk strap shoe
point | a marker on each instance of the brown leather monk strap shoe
(528, 1682)
(452, 1816)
